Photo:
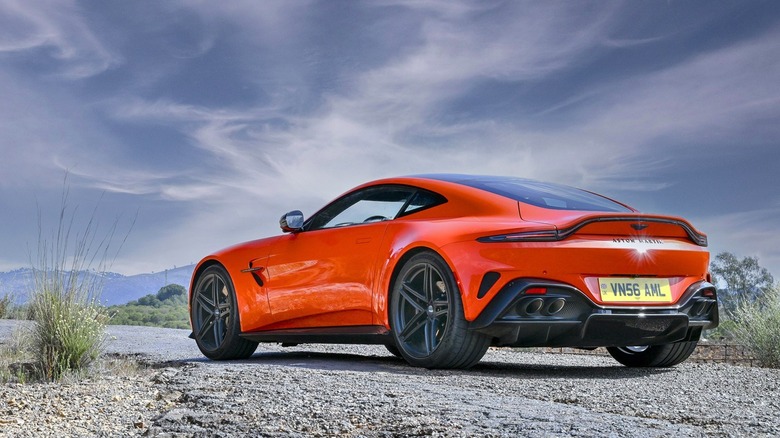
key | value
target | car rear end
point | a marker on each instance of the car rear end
(602, 280)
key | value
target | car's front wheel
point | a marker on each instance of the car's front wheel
(653, 355)
(426, 316)
(214, 313)
(393, 350)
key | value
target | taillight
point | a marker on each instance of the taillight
(526, 236)
(536, 291)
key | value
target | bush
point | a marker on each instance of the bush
(757, 327)
(172, 293)
(5, 305)
(724, 332)
(68, 330)
(68, 320)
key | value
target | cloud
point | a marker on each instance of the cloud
(457, 51)
(708, 95)
(60, 29)
(323, 96)
(43, 131)
(390, 121)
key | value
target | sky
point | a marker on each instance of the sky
(194, 125)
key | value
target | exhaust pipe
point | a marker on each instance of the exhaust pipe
(534, 306)
(556, 306)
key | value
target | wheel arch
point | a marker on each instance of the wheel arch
(398, 265)
(205, 264)
(402, 260)
(202, 266)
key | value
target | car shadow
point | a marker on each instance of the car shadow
(334, 361)
(547, 371)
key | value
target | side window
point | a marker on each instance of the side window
(366, 210)
(421, 200)
(373, 204)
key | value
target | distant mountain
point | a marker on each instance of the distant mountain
(118, 288)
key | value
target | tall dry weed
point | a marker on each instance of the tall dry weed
(6, 302)
(757, 327)
(68, 319)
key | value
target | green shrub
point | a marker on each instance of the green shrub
(172, 293)
(68, 322)
(5, 305)
(724, 332)
(757, 327)
(68, 332)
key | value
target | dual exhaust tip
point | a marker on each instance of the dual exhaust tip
(541, 306)
(702, 307)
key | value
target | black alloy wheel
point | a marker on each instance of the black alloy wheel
(426, 316)
(215, 322)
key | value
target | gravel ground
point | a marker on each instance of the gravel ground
(322, 390)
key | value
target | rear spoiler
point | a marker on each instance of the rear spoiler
(549, 235)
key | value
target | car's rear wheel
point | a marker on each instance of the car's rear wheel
(215, 321)
(653, 355)
(426, 316)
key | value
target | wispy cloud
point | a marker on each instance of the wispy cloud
(58, 28)
(390, 122)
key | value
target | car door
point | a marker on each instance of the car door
(324, 276)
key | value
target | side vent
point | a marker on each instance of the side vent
(255, 271)
(487, 282)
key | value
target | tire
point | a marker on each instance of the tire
(215, 319)
(393, 350)
(654, 355)
(426, 316)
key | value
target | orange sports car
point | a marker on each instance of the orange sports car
(440, 267)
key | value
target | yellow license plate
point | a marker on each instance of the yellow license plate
(635, 290)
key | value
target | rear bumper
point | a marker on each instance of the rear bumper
(565, 317)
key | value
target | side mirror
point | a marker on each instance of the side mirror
(292, 221)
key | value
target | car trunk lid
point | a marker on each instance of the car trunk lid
(630, 226)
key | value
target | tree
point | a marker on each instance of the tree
(171, 291)
(149, 300)
(746, 281)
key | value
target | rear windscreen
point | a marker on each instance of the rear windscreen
(540, 194)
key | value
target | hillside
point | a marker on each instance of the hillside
(118, 288)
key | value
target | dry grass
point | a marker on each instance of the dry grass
(68, 321)
(757, 327)
(6, 302)
(16, 362)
